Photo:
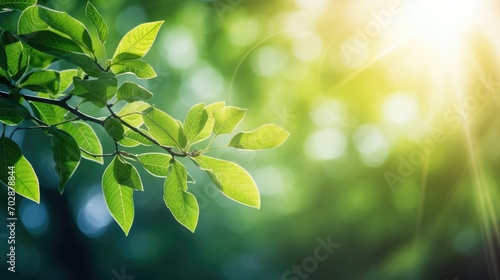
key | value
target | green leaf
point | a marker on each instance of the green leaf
(99, 23)
(50, 42)
(226, 119)
(41, 81)
(231, 179)
(17, 59)
(12, 112)
(132, 92)
(66, 79)
(64, 23)
(137, 42)
(195, 123)
(155, 163)
(62, 48)
(66, 155)
(26, 181)
(181, 203)
(49, 114)
(30, 21)
(265, 137)
(138, 67)
(164, 129)
(86, 138)
(126, 175)
(134, 136)
(16, 4)
(132, 113)
(98, 91)
(114, 128)
(119, 198)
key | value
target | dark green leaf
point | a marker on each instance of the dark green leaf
(16, 4)
(66, 155)
(41, 81)
(114, 128)
(49, 114)
(12, 112)
(98, 91)
(30, 21)
(25, 179)
(17, 59)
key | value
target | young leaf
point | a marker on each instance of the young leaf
(41, 80)
(231, 179)
(132, 92)
(132, 113)
(114, 128)
(138, 67)
(119, 198)
(26, 181)
(195, 123)
(66, 79)
(67, 25)
(11, 112)
(265, 137)
(86, 138)
(181, 203)
(226, 119)
(66, 155)
(155, 163)
(165, 129)
(126, 174)
(137, 42)
(16, 4)
(98, 21)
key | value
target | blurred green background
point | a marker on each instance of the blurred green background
(393, 156)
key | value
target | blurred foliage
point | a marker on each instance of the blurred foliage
(348, 128)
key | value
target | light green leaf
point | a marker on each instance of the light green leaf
(127, 175)
(41, 81)
(66, 79)
(165, 129)
(66, 155)
(99, 23)
(134, 136)
(265, 137)
(132, 92)
(155, 163)
(12, 112)
(67, 25)
(119, 198)
(114, 128)
(138, 67)
(231, 179)
(226, 119)
(86, 138)
(137, 42)
(131, 113)
(181, 203)
(26, 181)
(98, 91)
(49, 114)
(16, 4)
(195, 123)
(214, 107)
